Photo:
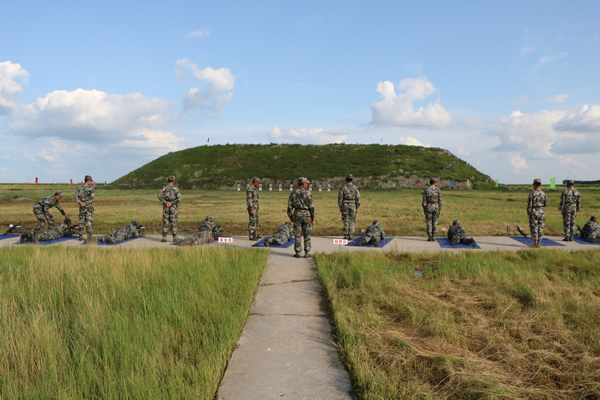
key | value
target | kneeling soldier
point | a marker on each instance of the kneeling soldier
(373, 235)
(41, 210)
(591, 231)
(282, 236)
(457, 234)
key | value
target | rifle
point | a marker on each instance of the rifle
(12, 228)
(522, 233)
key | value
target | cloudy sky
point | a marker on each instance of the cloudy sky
(512, 87)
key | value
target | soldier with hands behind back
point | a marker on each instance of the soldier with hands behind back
(432, 207)
(84, 196)
(536, 202)
(301, 210)
(570, 205)
(170, 197)
(252, 203)
(349, 202)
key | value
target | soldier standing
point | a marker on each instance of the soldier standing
(84, 196)
(41, 210)
(170, 197)
(349, 202)
(536, 202)
(570, 205)
(432, 206)
(252, 202)
(301, 210)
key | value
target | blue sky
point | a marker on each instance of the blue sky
(511, 87)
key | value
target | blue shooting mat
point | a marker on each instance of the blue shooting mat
(261, 243)
(47, 242)
(102, 243)
(382, 243)
(9, 236)
(583, 241)
(544, 242)
(445, 244)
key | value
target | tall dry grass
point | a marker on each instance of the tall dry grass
(476, 325)
(143, 324)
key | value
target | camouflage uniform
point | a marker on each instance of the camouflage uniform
(570, 205)
(59, 231)
(301, 209)
(536, 202)
(282, 236)
(85, 193)
(432, 205)
(591, 231)
(373, 235)
(349, 202)
(127, 232)
(252, 203)
(206, 232)
(169, 193)
(457, 234)
(41, 209)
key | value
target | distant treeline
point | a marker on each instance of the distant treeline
(596, 182)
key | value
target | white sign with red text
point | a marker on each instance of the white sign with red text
(225, 240)
(340, 241)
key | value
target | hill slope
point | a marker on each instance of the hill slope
(374, 166)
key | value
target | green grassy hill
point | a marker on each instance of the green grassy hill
(374, 166)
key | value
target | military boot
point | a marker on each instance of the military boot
(297, 255)
(307, 255)
(566, 238)
(175, 239)
(164, 239)
(81, 238)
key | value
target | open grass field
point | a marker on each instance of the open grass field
(481, 212)
(474, 326)
(140, 324)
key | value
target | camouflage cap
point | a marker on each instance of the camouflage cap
(256, 179)
(570, 182)
(68, 221)
(433, 179)
(134, 222)
(171, 178)
(349, 177)
(59, 193)
(455, 222)
(288, 223)
(375, 222)
(302, 181)
(537, 181)
(208, 218)
(594, 218)
(87, 178)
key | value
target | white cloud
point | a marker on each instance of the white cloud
(559, 98)
(308, 136)
(530, 133)
(10, 88)
(411, 141)
(462, 152)
(518, 163)
(158, 142)
(89, 115)
(202, 33)
(216, 89)
(587, 119)
(398, 109)
(551, 58)
(520, 100)
(524, 51)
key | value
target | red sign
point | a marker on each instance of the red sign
(340, 241)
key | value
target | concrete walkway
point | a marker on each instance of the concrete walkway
(287, 349)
